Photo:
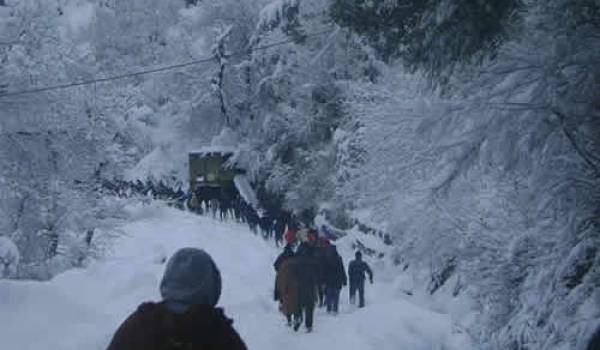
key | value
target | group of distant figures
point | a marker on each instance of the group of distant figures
(160, 190)
(310, 272)
(210, 201)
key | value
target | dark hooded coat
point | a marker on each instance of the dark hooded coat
(357, 270)
(187, 317)
(334, 274)
(154, 327)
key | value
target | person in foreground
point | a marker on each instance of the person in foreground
(187, 317)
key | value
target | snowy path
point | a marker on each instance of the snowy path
(80, 309)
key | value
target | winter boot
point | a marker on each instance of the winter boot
(297, 323)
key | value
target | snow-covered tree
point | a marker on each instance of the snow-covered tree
(430, 35)
(495, 177)
(9, 258)
(487, 179)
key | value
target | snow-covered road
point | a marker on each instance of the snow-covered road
(80, 309)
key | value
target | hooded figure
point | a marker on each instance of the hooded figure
(334, 277)
(187, 317)
(191, 278)
(356, 274)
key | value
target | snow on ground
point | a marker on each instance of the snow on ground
(80, 309)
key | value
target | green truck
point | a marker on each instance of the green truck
(209, 170)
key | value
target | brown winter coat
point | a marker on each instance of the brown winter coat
(297, 284)
(287, 285)
(153, 327)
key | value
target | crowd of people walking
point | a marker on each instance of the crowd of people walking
(221, 204)
(310, 273)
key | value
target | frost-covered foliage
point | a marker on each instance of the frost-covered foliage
(488, 180)
(286, 103)
(281, 107)
(57, 146)
(497, 179)
(432, 34)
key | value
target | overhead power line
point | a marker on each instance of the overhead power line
(503, 104)
(154, 70)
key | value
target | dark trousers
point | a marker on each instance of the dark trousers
(307, 311)
(357, 286)
(332, 299)
(321, 293)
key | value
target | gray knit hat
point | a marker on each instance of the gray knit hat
(191, 278)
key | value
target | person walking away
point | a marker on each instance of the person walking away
(335, 279)
(181, 199)
(302, 234)
(308, 276)
(214, 207)
(194, 203)
(287, 253)
(186, 318)
(223, 208)
(279, 229)
(307, 296)
(296, 286)
(321, 255)
(308, 246)
(286, 286)
(266, 225)
(237, 209)
(356, 272)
